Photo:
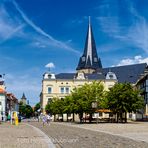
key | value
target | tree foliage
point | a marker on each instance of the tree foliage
(37, 107)
(25, 110)
(122, 98)
(79, 101)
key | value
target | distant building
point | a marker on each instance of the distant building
(12, 103)
(23, 99)
(2, 99)
(89, 69)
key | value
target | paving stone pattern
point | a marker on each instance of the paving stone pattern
(64, 136)
(21, 136)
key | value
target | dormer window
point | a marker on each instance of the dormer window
(83, 59)
(95, 59)
(111, 76)
(49, 76)
(80, 76)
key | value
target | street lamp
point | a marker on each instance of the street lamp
(94, 105)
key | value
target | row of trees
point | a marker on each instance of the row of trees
(25, 110)
(120, 99)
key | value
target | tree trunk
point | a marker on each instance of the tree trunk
(117, 117)
(81, 117)
(90, 117)
(62, 117)
(73, 117)
(121, 118)
(125, 117)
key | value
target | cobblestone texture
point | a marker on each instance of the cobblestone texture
(21, 136)
(65, 136)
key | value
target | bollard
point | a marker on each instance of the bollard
(16, 121)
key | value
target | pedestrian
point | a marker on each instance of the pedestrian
(44, 119)
(8, 118)
(48, 119)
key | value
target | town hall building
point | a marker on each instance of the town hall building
(89, 69)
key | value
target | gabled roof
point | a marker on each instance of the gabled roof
(127, 73)
(89, 59)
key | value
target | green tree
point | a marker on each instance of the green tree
(85, 95)
(28, 111)
(25, 110)
(37, 107)
(122, 98)
(56, 106)
(79, 101)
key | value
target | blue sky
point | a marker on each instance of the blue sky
(34, 33)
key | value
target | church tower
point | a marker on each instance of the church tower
(89, 61)
(23, 99)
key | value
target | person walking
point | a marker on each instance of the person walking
(44, 120)
(48, 119)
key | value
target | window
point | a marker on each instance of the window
(49, 90)
(111, 76)
(67, 90)
(95, 60)
(49, 76)
(62, 90)
(83, 59)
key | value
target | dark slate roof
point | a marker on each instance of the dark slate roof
(85, 64)
(65, 76)
(127, 73)
(95, 76)
(71, 76)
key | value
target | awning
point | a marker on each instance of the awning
(104, 110)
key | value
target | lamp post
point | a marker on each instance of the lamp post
(95, 106)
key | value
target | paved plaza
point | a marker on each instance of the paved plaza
(23, 136)
(74, 135)
(103, 135)
(133, 130)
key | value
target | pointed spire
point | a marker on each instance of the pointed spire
(89, 21)
(89, 59)
(23, 96)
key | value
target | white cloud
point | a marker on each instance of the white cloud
(135, 60)
(50, 65)
(8, 27)
(136, 34)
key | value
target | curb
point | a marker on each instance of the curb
(46, 138)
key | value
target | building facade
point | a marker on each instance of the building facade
(142, 85)
(89, 69)
(11, 103)
(2, 99)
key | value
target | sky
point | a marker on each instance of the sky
(37, 34)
